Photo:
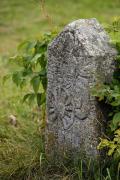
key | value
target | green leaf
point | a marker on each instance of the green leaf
(26, 97)
(44, 82)
(39, 95)
(23, 83)
(17, 77)
(115, 103)
(35, 58)
(27, 45)
(112, 149)
(43, 73)
(22, 45)
(30, 97)
(27, 72)
(43, 98)
(115, 122)
(35, 83)
(43, 61)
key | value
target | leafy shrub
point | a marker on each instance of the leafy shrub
(110, 94)
(113, 145)
(31, 59)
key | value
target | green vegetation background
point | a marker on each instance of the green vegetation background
(20, 20)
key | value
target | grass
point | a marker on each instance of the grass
(21, 150)
(26, 19)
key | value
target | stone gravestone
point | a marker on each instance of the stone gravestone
(78, 58)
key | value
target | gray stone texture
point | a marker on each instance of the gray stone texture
(78, 58)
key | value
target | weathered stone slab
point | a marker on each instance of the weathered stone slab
(78, 58)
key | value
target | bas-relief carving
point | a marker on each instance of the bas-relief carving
(69, 106)
(70, 97)
(76, 60)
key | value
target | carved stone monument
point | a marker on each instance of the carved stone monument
(78, 58)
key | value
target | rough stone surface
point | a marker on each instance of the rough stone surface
(78, 58)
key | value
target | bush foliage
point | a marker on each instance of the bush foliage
(110, 94)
